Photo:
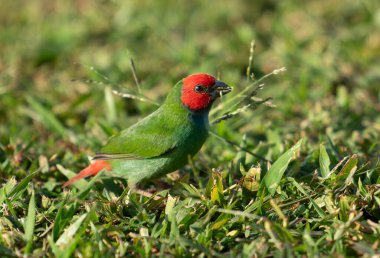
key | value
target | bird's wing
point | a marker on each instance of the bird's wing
(151, 137)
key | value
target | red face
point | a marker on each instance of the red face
(199, 90)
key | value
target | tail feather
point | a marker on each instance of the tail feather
(91, 170)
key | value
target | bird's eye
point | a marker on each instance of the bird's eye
(200, 88)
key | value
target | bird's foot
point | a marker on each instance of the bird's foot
(148, 194)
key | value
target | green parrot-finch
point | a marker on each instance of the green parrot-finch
(163, 141)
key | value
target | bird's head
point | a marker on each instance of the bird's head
(200, 90)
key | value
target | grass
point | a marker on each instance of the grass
(319, 196)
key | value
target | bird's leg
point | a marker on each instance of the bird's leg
(161, 184)
(134, 189)
(147, 194)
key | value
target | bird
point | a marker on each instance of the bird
(163, 141)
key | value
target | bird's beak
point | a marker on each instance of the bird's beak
(219, 89)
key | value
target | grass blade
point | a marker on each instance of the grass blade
(320, 212)
(273, 177)
(110, 105)
(22, 185)
(54, 248)
(83, 193)
(46, 116)
(69, 233)
(324, 161)
(29, 224)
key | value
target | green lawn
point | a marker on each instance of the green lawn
(295, 171)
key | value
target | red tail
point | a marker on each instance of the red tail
(91, 170)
